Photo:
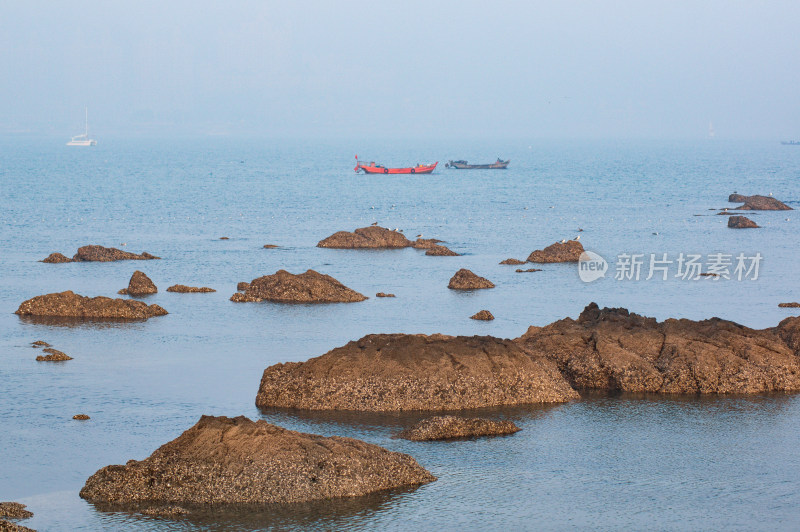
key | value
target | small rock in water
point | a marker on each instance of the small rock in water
(482, 315)
(741, 222)
(71, 305)
(707, 274)
(528, 270)
(224, 238)
(565, 251)
(53, 355)
(466, 280)
(381, 294)
(308, 287)
(139, 285)
(450, 427)
(514, 262)
(40, 343)
(183, 289)
(789, 305)
(80, 417)
(270, 246)
(56, 258)
(441, 251)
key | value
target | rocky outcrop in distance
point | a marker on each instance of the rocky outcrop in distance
(741, 222)
(514, 262)
(183, 289)
(612, 349)
(224, 460)
(484, 315)
(758, 203)
(466, 280)
(440, 251)
(70, 305)
(395, 372)
(383, 294)
(139, 285)
(567, 251)
(372, 237)
(57, 258)
(308, 287)
(451, 427)
(81, 417)
(789, 305)
(98, 254)
(53, 355)
(527, 270)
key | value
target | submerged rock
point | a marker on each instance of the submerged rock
(81, 417)
(40, 343)
(270, 246)
(441, 251)
(466, 280)
(450, 427)
(513, 262)
(789, 305)
(741, 222)
(224, 460)
(56, 258)
(14, 510)
(382, 294)
(612, 349)
(426, 243)
(71, 305)
(482, 315)
(373, 237)
(139, 285)
(308, 287)
(392, 372)
(758, 203)
(101, 254)
(183, 289)
(568, 251)
(53, 355)
(527, 270)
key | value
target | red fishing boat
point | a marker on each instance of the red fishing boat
(373, 168)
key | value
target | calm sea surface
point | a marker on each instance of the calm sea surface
(622, 462)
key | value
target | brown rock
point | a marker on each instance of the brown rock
(466, 280)
(513, 262)
(183, 289)
(221, 460)
(308, 287)
(450, 427)
(758, 203)
(393, 372)
(14, 510)
(242, 286)
(80, 417)
(8, 526)
(527, 270)
(741, 222)
(139, 285)
(56, 258)
(71, 305)
(40, 343)
(707, 274)
(381, 294)
(611, 349)
(789, 305)
(426, 243)
(53, 355)
(441, 251)
(101, 254)
(482, 315)
(569, 251)
(270, 246)
(366, 237)
(224, 238)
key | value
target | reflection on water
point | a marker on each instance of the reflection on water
(84, 323)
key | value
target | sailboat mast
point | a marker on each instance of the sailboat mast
(87, 121)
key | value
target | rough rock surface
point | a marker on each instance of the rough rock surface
(53, 355)
(441, 251)
(57, 258)
(741, 222)
(235, 460)
(242, 286)
(426, 243)
(14, 510)
(366, 237)
(81, 417)
(270, 246)
(70, 305)
(165, 511)
(466, 280)
(383, 294)
(514, 262)
(612, 349)
(569, 251)
(758, 203)
(789, 305)
(393, 372)
(101, 254)
(527, 270)
(183, 289)
(139, 285)
(449, 427)
(482, 315)
(8, 526)
(40, 343)
(308, 287)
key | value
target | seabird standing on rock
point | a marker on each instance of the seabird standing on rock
(374, 223)
(563, 240)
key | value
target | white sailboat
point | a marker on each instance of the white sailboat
(83, 140)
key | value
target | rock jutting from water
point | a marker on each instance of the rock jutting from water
(758, 203)
(183, 289)
(466, 280)
(242, 286)
(527, 270)
(224, 460)
(440, 251)
(70, 305)
(372, 237)
(451, 427)
(741, 222)
(513, 262)
(14, 510)
(53, 355)
(308, 287)
(484, 315)
(40, 343)
(270, 246)
(426, 243)
(565, 251)
(395, 372)
(789, 305)
(612, 349)
(56, 258)
(81, 417)
(383, 294)
(102, 254)
(139, 285)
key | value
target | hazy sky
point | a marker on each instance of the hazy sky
(550, 69)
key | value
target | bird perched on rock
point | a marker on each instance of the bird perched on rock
(374, 223)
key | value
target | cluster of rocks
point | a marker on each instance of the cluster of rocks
(53, 355)
(758, 203)
(451, 427)
(789, 305)
(98, 254)
(376, 237)
(285, 287)
(70, 305)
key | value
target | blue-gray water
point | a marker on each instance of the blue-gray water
(603, 462)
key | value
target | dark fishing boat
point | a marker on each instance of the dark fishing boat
(464, 165)
(791, 142)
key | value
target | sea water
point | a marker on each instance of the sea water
(608, 462)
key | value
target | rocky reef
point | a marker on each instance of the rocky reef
(741, 222)
(183, 289)
(70, 305)
(482, 315)
(308, 287)
(450, 427)
(139, 285)
(466, 280)
(53, 355)
(758, 203)
(566, 251)
(438, 250)
(372, 237)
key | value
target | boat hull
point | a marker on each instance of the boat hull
(500, 165)
(422, 169)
